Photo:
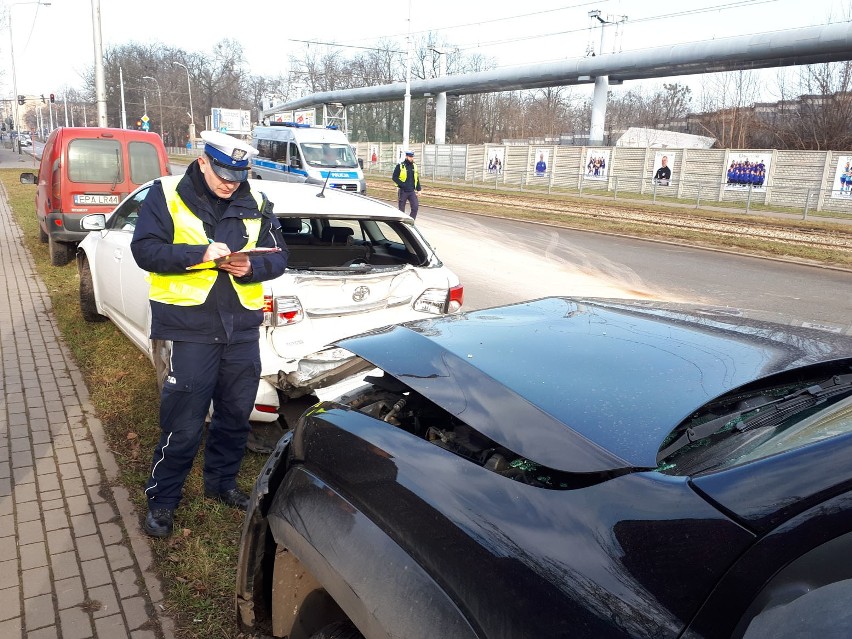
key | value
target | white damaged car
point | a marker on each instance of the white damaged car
(355, 264)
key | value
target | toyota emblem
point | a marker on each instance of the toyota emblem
(360, 294)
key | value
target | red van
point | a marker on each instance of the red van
(89, 170)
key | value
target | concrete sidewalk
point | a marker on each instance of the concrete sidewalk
(73, 563)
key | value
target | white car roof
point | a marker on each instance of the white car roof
(300, 200)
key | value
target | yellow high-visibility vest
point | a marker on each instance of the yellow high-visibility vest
(192, 287)
(403, 174)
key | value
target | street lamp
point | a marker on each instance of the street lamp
(15, 75)
(160, 95)
(191, 112)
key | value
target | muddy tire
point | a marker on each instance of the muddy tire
(88, 306)
(60, 252)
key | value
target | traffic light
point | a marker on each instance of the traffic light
(138, 124)
(52, 98)
(21, 99)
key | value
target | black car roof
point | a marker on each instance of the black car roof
(584, 385)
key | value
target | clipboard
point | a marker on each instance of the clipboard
(237, 257)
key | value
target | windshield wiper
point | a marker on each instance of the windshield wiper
(764, 415)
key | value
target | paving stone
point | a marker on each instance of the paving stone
(41, 443)
(11, 629)
(30, 532)
(44, 633)
(5, 470)
(48, 483)
(48, 495)
(108, 602)
(38, 612)
(36, 581)
(75, 624)
(111, 533)
(95, 572)
(25, 492)
(73, 487)
(7, 524)
(104, 513)
(59, 541)
(83, 525)
(19, 443)
(8, 548)
(126, 582)
(119, 556)
(143, 634)
(5, 486)
(29, 511)
(89, 547)
(136, 612)
(55, 519)
(23, 475)
(68, 471)
(10, 603)
(53, 504)
(33, 555)
(8, 573)
(95, 494)
(88, 461)
(92, 476)
(21, 458)
(64, 565)
(66, 456)
(69, 592)
(112, 627)
(78, 505)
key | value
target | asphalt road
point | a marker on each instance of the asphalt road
(506, 261)
(501, 261)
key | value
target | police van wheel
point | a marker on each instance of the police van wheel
(338, 630)
(88, 306)
(60, 252)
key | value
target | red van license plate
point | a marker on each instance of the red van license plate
(89, 198)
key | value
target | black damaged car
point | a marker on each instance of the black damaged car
(565, 468)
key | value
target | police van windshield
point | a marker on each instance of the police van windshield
(329, 155)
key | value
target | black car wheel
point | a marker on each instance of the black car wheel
(88, 307)
(338, 630)
(60, 252)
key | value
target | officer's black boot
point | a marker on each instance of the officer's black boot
(234, 498)
(159, 522)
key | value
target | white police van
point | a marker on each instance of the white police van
(291, 152)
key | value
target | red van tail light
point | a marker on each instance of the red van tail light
(456, 298)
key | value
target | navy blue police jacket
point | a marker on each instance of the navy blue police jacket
(221, 319)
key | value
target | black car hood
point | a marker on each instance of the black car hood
(583, 385)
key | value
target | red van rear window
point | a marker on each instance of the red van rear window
(91, 160)
(144, 162)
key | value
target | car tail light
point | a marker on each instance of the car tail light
(440, 300)
(282, 311)
(265, 408)
(456, 299)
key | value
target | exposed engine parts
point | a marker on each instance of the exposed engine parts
(392, 402)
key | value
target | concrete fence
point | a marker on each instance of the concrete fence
(805, 181)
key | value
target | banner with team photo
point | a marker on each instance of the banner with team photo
(597, 164)
(841, 187)
(494, 158)
(664, 166)
(746, 170)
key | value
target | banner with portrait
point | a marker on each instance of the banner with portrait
(542, 162)
(841, 187)
(664, 167)
(597, 164)
(747, 170)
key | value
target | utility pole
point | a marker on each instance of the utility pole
(100, 84)
(406, 109)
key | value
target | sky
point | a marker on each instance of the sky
(53, 45)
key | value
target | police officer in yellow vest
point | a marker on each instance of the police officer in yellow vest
(211, 316)
(407, 178)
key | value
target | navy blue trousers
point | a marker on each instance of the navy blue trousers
(198, 373)
(409, 196)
